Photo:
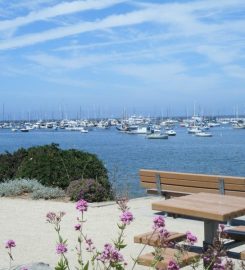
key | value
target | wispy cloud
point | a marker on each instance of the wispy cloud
(62, 9)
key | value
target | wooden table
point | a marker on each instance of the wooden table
(212, 208)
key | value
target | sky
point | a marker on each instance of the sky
(99, 58)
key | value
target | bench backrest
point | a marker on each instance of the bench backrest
(187, 183)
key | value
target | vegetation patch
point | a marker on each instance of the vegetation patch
(57, 168)
(20, 187)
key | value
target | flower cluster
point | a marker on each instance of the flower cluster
(10, 244)
(126, 217)
(82, 206)
(61, 248)
(172, 265)
(54, 218)
(110, 255)
(89, 245)
(191, 238)
(158, 223)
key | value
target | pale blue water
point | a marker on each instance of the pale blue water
(124, 154)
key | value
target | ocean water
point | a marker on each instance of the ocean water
(125, 154)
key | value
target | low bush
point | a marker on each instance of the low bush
(47, 193)
(19, 187)
(89, 190)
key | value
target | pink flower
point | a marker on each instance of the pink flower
(24, 268)
(172, 265)
(159, 222)
(10, 244)
(191, 238)
(82, 206)
(61, 248)
(77, 227)
(126, 217)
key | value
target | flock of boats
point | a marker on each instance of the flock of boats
(152, 128)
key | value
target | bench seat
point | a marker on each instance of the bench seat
(167, 255)
(152, 239)
(236, 233)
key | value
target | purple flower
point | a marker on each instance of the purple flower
(10, 244)
(126, 217)
(61, 248)
(77, 227)
(82, 206)
(191, 238)
(24, 268)
(110, 254)
(172, 265)
(159, 222)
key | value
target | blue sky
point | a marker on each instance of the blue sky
(101, 57)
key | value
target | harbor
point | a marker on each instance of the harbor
(124, 152)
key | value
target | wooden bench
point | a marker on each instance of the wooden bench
(170, 184)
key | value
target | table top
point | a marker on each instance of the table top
(204, 205)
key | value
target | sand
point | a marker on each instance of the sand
(25, 222)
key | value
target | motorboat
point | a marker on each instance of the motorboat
(138, 130)
(83, 130)
(157, 136)
(24, 130)
(193, 130)
(203, 134)
(170, 132)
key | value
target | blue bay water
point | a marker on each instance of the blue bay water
(125, 154)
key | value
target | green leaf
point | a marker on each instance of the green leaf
(86, 266)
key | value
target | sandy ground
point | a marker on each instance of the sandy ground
(24, 221)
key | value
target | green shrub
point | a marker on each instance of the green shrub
(89, 190)
(9, 163)
(53, 167)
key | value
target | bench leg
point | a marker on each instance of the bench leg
(210, 232)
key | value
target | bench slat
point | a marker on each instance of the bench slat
(242, 255)
(236, 233)
(168, 254)
(189, 190)
(152, 239)
(193, 177)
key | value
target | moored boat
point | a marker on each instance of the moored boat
(203, 134)
(157, 136)
(170, 132)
